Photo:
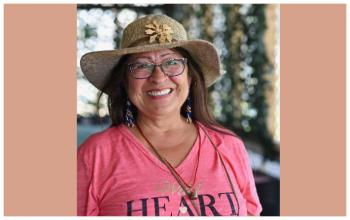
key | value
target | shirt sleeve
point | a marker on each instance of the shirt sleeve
(249, 190)
(87, 202)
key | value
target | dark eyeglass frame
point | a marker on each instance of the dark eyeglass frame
(183, 60)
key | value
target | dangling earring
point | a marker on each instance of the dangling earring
(129, 117)
(189, 110)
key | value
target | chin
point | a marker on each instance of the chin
(164, 111)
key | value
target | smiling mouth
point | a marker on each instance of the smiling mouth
(159, 92)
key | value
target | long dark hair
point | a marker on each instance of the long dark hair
(115, 88)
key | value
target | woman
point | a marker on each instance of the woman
(164, 153)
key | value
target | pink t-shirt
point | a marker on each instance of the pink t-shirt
(118, 176)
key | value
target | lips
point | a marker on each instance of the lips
(162, 92)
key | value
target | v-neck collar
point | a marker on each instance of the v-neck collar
(188, 162)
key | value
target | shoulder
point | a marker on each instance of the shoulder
(232, 148)
(101, 139)
(223, 136)
(226, 141)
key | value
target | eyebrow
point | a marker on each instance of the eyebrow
(148, 58)
(163, 55)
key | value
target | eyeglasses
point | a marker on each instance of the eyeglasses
(170, 67)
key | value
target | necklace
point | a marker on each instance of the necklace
(189, 189)
(192, 194)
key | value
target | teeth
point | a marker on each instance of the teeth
(159, 93)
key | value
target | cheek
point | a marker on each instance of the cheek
(183, 79)
(183, 83)
(134, 86)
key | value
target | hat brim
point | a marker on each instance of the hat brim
(97, 65)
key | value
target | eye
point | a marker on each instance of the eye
(171, 62)
(142, 66)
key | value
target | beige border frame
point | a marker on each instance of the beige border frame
(40, 109)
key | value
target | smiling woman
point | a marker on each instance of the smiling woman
(164, 154)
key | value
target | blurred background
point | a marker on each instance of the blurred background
(247, 97)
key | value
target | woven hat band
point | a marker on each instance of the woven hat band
(154, 29)
(144, 41)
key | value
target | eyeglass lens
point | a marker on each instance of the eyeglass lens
(171, 67)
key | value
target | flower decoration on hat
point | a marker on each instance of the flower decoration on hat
(162, 33)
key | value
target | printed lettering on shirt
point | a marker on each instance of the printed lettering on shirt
(208, 204)
(172, 188)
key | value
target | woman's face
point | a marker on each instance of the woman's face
(158, 95)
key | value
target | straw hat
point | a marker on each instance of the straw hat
(150, 33)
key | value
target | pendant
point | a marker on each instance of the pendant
(193, 194)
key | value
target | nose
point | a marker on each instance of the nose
(158, 76)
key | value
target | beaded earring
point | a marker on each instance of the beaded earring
(189, 109)
(129, 117)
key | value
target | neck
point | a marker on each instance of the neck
(163, 124)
